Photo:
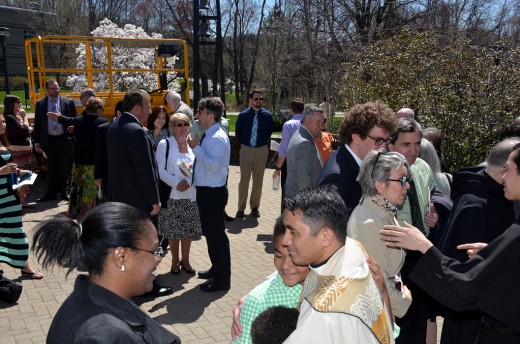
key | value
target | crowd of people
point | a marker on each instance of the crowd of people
(374, 241)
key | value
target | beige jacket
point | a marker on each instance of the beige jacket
(364, 225)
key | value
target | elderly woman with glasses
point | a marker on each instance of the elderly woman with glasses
(117, 244)
(83, 192)
(179, 221)
(384, 178)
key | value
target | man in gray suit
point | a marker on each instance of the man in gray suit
(304, 163)
(173, 99)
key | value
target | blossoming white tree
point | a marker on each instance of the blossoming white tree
(123, 56)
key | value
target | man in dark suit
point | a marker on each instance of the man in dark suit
(132, 170)
(304, 163)
(53, 140)
(133, 177)
(365, 127)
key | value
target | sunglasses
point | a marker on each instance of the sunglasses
(184, 124)
(402, 180)
(258, 99)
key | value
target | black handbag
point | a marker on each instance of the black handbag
(9, 291)
(165, 189)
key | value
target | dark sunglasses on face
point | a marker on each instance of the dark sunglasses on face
(258, 99)
(184, 124)
(402, 180)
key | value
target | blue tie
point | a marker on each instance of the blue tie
(254, 130)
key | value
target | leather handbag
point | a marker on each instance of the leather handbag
(165, 189)
(9, 291)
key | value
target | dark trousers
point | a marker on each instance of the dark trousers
(58, 165)
(211, 203)
(413, 324)
(283, 179)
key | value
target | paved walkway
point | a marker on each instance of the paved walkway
(195, 316)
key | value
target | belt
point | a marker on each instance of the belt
(254, 146)
(496, 325)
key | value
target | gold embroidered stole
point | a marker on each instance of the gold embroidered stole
(359, 297)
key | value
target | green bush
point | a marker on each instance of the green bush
(466, 91)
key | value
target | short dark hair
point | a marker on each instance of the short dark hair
(320, 207)
(297, 105)
(405, 125)
(274, 325)
(279, 229)
(510, 129)
(213, 105)
(119, 107)
(361, 118)
(48, 82)
(9, 102)
(63, 241)
(252, 93)
(516, 158)
(435, 136)
(133, 98)
(500, 152)
(156, 110)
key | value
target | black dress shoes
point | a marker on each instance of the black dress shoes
(46, 199)
(240, 215)
(157, 291)
(208, 274)
(213, 286)
(255, 212)
(228, 218)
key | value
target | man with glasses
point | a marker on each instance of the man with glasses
(253, 130)
(365, 127)
(210, 169)
(418, 211)
(53, 140)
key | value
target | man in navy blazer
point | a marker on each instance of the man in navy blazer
(52, 139)
(365, 127)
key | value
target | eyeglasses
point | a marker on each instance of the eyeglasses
(158, 252)
(258, 99)
(378, 141)
(375, 161)
(403, 180)
(184, 124)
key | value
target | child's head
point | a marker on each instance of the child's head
(274, 325)
(291, 274)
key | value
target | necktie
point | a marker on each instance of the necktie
(54, 124)
(195, 162)
(254, 130)
(415, 209)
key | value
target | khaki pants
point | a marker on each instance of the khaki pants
(252, 161)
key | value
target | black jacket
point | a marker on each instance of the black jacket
(132, 170)
(93, 314)
(342, 170)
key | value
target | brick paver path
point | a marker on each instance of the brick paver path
(195, 316)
